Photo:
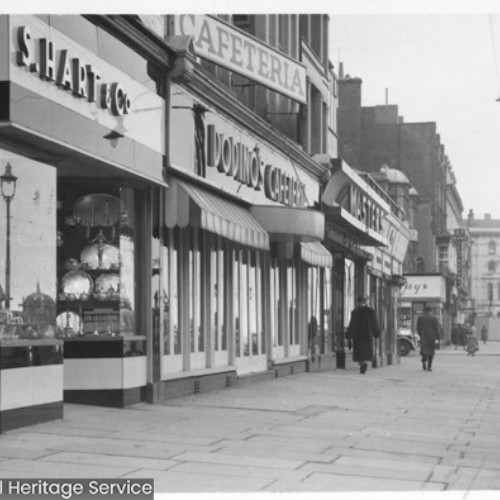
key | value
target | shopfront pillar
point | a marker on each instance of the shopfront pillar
(360, 278)
(338, 280)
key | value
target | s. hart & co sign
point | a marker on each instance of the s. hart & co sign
(72, 74)
(237, 51)
(243, 164)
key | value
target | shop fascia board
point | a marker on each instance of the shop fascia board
(364, 235)
(202, 85)
(340, 174)
(289, 224)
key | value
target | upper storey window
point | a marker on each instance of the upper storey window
(492, 248)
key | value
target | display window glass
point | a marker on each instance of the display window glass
(247, 279)
(313, 309)
(276, 305)
(170, 248)
(28, 248)
(285, 300)
(218, 293)
(97, 259)
(293, 310)
(196, 330)
(327, 330)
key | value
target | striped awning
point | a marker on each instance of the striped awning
(316, 254)
(187, 204)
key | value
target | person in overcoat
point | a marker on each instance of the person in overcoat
(363, 327)
(428, 329)
(484, 334)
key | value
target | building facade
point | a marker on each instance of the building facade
(185, 215)
(81, 164)
(377, 135)
(484, 308)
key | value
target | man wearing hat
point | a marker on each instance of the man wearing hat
(363, 327)
(428, 330)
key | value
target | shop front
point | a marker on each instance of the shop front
(76, 104)
(420, 291)
(237, 259)
(355, 217)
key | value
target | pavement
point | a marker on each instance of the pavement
(394, 429)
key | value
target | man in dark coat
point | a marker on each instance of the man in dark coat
(362, 329)
(428, 330)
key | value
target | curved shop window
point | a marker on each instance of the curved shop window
(285, 300)
(27, 248)
(247, 303)
(210, 293)
(97, 259)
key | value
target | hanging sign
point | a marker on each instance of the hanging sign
(237, 51)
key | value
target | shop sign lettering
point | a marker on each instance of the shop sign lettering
(414, 288)
(70, 73)
(365, 209)
(237, 160)
(233, 49)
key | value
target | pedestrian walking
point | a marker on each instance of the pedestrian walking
(428, 330)
(472, 343)
(363, 328)
(484, 334)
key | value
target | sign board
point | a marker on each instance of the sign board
(237, 51)
(213, 147)
(424, 288)
(51, 65)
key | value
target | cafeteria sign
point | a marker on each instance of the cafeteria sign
(235, 50)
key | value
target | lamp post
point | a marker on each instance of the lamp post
(8, 188)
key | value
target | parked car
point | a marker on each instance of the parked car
(406, 341)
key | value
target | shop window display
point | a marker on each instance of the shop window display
(172, 339)
(96, 260)
(247, 308)
(218, 299)
(27, 248)
(196, 333)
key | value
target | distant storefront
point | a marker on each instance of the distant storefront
(422, 290)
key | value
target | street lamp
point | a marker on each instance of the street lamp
(8, 188)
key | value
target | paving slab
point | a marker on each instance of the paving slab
(395, 429)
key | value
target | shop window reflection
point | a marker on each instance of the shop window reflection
(277, 307)
(292, 304)
(244, 302)
(28, 301)
(236, 303)
(327, 333)
(196, 334)
(217, 299)
(170, 249)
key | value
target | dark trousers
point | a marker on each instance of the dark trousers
(427, 358)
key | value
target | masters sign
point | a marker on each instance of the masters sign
(221, 43)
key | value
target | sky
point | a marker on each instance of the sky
(439, 68)
(439, 60)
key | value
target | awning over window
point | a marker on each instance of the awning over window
(290, 224)
(316, 254)
(198, 207)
